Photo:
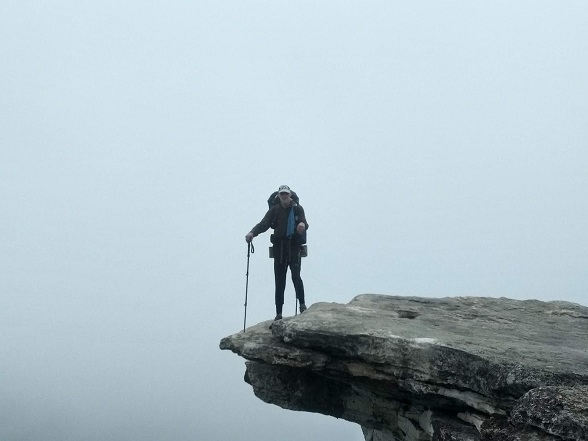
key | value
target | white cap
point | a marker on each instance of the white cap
(284, 189)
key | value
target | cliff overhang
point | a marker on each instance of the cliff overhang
(412, 368)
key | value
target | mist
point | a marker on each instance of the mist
(437, 149)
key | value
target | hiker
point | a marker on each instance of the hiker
(289, 223)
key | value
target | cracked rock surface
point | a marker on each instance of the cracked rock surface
(412, 368)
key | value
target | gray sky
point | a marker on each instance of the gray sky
(439, 149)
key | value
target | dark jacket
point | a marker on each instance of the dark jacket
(277, 217)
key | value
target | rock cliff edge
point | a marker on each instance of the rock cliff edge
(412, 368)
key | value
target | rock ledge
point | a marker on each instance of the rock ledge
(411, 368)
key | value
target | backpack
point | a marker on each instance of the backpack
(274, 199)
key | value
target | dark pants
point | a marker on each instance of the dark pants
(287, 255)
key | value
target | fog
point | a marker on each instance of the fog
(439, 149)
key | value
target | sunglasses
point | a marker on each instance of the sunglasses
(285, 194)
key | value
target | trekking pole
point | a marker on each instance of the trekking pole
(250, 250)
(296, 307)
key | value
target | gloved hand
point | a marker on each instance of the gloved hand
(300, 228)
(249, 237)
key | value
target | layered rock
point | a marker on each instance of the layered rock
(409, 368)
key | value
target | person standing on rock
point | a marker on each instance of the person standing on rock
(289, 223)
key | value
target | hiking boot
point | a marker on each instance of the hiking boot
(302, 308)
(278, 317)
